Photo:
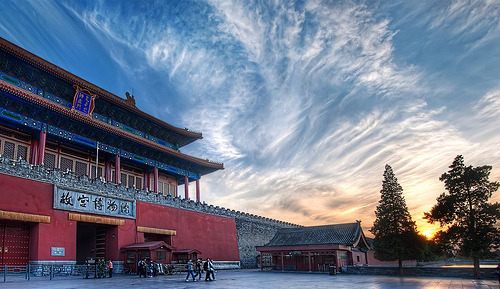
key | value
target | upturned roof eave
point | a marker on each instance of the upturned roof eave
(83, 118)
(73, 79)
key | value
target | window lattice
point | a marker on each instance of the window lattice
(8, 150)
(138, 182)
(49, 160)
(165, 189)
(80, 168)
(99, 172)
(123, 179)
(172, 191)
(22, 152)
(131, 180)
(66, 164)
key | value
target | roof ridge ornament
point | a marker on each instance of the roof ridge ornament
(130, 101)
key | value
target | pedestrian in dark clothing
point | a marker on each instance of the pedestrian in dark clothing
(211, 268)
(144, 268)
(139, 268)
(198, 266)
(206, 269)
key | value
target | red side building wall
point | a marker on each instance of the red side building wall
(214, 236)
(375, 262)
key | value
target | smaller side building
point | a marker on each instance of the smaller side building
(315, 248)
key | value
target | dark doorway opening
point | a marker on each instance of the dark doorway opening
(90, 241)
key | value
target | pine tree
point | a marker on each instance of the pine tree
(396, 236)
(465, 212)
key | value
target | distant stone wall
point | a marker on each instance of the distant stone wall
(252, 230)
(486, 273)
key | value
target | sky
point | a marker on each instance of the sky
(304, 102)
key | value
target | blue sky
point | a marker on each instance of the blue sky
(304, 101)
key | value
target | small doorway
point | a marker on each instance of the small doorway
(91, 241)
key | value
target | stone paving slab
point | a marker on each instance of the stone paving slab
(249, 279)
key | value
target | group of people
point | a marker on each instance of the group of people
(100, 268)
(199, 267)
(146, 268)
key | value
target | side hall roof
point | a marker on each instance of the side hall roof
(349, 234)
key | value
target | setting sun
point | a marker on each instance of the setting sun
(429, 234)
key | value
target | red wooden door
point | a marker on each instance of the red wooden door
(14, 243)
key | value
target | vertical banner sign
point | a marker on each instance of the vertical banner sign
(83, 101)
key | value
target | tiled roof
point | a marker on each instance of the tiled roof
(147, 246)
(340, 234)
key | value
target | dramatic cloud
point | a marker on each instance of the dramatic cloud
(304, 101)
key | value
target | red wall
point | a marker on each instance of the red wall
(26, 196)
(373, 261)
(362, 258)
(214, 236)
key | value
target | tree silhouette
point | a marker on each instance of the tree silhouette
(464, 211)
(396, 236)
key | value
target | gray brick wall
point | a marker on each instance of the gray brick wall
(252, 233)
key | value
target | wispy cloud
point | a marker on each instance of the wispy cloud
(306, 101)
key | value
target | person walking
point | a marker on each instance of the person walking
(211, 268)
(198, 266)
(189, 266)
(206, 268)
(110, 268)
(139, 268)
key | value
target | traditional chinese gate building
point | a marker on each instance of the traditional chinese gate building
(315, 248)
(84, 173)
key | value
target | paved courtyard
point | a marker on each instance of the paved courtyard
(249, 279)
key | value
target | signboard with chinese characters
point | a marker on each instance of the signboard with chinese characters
(83, 101)
(65, 199)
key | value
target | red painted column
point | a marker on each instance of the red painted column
(34, 152)
(155, 181)
(282, 262)
(198, 190)
(186, 188)
(146, 180)
(260, 261)
(117, 169)
(107, 171)
(337, 260)
(309, 257)
(41, 147)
